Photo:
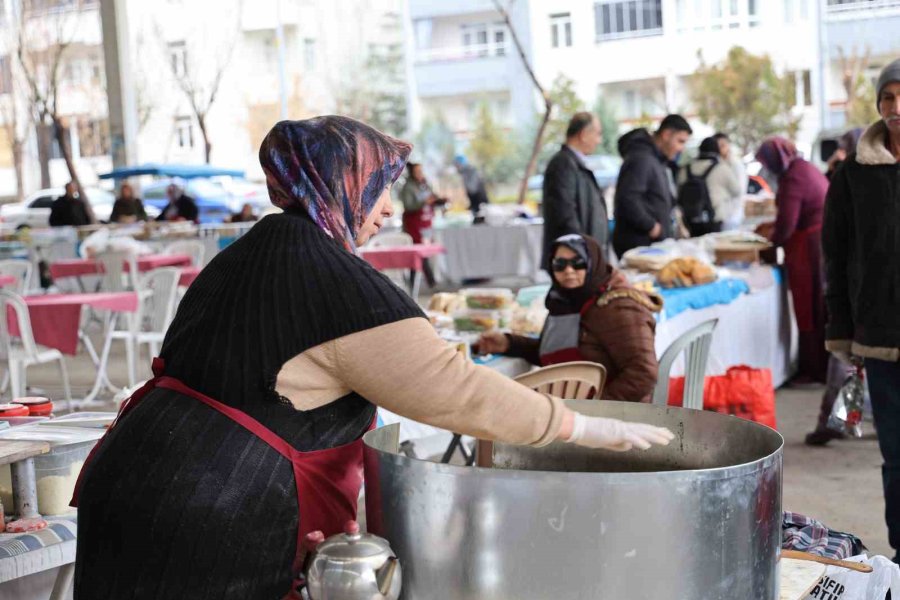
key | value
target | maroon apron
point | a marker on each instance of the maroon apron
(803, 260)
(418, 222)
(328, 481)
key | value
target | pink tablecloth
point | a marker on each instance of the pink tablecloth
(85, 266)
(188, 275)
(55, 317)
(401, 257)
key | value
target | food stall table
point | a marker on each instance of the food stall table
(56, 320)
(80, 267)
(485, 251)
(409, 258)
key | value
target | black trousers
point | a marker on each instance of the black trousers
(884, 387)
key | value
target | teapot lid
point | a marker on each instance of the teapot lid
(353, 544)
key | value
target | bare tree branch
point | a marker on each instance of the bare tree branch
(548, 103)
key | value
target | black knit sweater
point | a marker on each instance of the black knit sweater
(180, 501)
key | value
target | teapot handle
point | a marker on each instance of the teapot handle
(385, 575)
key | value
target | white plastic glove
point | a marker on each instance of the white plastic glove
(613, 434)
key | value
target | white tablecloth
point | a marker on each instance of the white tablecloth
(756, 329)
(482, 251)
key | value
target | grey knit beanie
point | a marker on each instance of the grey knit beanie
(889, 74)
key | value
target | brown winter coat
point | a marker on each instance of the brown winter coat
(618, 332)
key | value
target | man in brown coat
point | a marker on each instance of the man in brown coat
(595, 315)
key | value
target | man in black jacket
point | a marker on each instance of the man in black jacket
(181, 207)
(69, 209)
(861, 241)
(573, 202)
(645, 190)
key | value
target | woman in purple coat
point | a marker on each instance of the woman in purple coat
(798, 229)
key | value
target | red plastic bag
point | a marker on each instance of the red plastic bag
(742, 391)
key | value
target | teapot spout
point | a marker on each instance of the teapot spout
(385, 575)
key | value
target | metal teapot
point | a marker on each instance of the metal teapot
(353, 566)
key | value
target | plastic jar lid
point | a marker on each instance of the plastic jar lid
(13, 410)
(38, 406)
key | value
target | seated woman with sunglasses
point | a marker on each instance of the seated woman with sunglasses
(595, 315)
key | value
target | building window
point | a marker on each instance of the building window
(753, 12)
(184, 132)
(796, 10)
(802, 88)
(627, 18)
(178, 58)
(93, 136)
(309, 54)
(561, 30)
(500, 42)
(484, 39)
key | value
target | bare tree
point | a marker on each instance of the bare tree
(860, 108)
(15, 125)
(548, 104)
(43, 41)
(205, 56)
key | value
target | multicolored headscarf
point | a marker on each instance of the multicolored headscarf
(333, 168)
(776, 154)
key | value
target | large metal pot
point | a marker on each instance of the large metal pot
(699, 519)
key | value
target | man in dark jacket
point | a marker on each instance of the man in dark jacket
(573, 202)
(69, 209)
(645, 194)
(861, 241)
(181, 207)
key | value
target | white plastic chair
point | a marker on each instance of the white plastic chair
(695, 345)
(21, 269)
(115, 277)
(156, 309)
(193, 248)
(580, 380)
(26, 352)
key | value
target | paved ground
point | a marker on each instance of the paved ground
(839, 484)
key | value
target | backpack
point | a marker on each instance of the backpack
(696, 206)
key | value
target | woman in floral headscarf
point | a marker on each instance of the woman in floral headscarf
(248, 438)
(800, 200)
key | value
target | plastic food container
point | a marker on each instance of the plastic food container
(55, 472)
(480, 320)
(37, 405)
(488, 298)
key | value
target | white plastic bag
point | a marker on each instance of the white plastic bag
(843, 584)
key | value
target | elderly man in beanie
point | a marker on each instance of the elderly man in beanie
(861, 240)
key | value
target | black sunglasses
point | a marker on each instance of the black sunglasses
(559, 264)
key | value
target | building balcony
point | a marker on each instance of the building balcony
(430, 9)
(860, 9)
(452, 71)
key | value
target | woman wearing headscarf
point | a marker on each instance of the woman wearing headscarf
(127, 208)
(800, 201)
(595, 315)
(248, 438)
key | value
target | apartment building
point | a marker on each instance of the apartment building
(636, 54)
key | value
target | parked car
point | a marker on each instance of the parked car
(604, 166)
(214, 203)
(246, 192)
(34, 211)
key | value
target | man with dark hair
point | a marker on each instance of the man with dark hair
(573, 201)
(645, 191)
(70, 209)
